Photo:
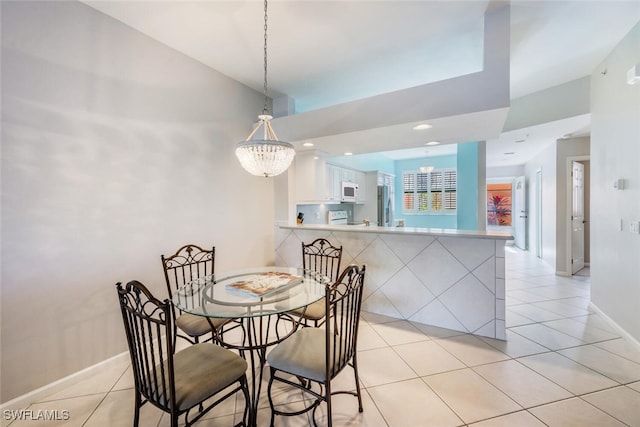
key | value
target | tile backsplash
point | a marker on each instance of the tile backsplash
(317, 214)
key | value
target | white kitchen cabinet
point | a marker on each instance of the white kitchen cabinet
(333, 182)
(360, 179)
(336, 175)
(320, 182)
(348, 175)
(310, 178)
(367, 207)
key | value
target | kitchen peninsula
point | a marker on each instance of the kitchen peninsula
(452, 279)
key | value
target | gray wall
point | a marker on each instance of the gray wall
(115, 149)
(615, 151)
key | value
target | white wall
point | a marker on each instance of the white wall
(505, 171)
(587, 210)
(615, 151)
(567, 100)
(115, 149)
(545, 161)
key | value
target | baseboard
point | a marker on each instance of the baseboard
(624, 334)
(27, 399)
(567, 274)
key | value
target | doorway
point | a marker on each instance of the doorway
(506, 208)
(520, 209)
(539, 213)
(578, 215)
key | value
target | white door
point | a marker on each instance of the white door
(577, 218)
(539, 213)
(520, 217)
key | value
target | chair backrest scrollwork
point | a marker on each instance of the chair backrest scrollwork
(322, 257)
(188, 263)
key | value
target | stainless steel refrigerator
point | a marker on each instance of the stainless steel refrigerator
(385, 206)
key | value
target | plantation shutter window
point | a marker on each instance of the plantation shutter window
(450, 190)
(429, 193)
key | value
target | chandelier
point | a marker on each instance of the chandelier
(267, 156)
(426, 168)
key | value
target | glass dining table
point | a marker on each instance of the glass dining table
(256, 299)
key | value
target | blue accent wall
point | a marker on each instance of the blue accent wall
(467, 160)
(422, 221)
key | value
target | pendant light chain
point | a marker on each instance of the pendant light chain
(267, 156)
(264, 110)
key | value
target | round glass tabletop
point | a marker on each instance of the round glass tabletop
(251, 292)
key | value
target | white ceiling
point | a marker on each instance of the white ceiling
(323, 52)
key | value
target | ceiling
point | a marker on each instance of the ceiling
(322, 52)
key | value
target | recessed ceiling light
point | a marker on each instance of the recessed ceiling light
(308, 144)
(432, 143)
(348, 153)
(521, 139)
(422, 126)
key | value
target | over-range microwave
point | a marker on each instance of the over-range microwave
(349, 192)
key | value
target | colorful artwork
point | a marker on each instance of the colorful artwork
(499, 204)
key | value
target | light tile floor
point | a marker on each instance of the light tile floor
(562, 365)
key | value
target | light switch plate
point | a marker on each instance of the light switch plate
(618, 184)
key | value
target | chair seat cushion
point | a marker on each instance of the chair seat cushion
(196, 326)
(302, 354)
(202, 370)
(315, 311)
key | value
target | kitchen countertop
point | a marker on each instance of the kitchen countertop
(361, 228)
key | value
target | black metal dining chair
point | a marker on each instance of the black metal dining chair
(317, 355)
(323, 258)
(191, 262)
(175, 382)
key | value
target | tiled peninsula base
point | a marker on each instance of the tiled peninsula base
(446, 278)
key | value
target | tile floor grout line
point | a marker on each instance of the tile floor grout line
(444, 402)
(366, 390)
(533, 341)
(96, 408)
(614, 353)
(603, 411)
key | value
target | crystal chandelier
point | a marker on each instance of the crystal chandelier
(426, 168)
(267, 156)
